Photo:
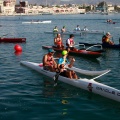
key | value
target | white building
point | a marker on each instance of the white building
(9, 7)
(1, 6)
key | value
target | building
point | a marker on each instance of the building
(1, 6)
(9, 7)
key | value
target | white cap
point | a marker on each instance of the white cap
(108, 33)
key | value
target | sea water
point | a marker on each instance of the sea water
(28, 95)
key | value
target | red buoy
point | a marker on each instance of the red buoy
(18, 53)
(17, 47)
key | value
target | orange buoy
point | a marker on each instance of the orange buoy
(17, 48)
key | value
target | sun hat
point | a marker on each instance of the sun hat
(108, 33)
(51, 50)
(64, 52)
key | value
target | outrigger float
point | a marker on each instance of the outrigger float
(83, 83)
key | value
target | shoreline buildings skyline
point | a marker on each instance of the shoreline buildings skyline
(9, 7)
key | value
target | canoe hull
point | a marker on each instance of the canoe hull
(79, 33)
(12, 40)
(83, 53)
(86, 84)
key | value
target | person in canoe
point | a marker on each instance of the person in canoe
(62, 62)
(70, 43)
(106, 39)
(49, 62)
(85, 29)
(58, 41)
(63, 29)
(77, 28)
(55, 29)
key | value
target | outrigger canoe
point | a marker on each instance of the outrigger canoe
(12, 40)
(37, 22)
(82, 52)
(83, 83)
(77, 32)
(115, 46)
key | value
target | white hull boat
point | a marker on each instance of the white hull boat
(36, 22)
(77, 32)
(83, 83)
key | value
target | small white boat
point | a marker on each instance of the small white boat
(83, 83)
(77, 32)
(36, 22)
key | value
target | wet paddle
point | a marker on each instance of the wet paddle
(55, 78)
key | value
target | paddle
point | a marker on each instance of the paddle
(55, 78)
(100, 75)
(112, 40)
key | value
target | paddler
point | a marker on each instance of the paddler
(77, 28)
(49, 62)
(70, 43)
(85, 29)
(63, 29)
(62, 62)
(58, 41)
(55, 29)
(106, 39)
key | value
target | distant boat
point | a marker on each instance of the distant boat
(12, 40)
(77, 32)
(104, 13)
(37, 22)
(47, 13)
(83, 13)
